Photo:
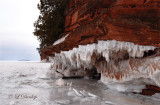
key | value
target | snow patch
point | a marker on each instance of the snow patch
(60, 40)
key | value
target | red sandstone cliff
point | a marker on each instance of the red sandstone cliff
(87, 21)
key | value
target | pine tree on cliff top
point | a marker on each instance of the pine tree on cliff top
(50, 23)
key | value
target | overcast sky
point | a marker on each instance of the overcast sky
(17, 41)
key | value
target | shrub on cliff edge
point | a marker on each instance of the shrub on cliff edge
(50, 23)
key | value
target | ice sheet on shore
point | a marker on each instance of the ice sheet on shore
(18, 78)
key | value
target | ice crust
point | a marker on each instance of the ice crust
(107, 57)
(86, 96)
(28, 78)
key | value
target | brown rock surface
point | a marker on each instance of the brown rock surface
(87, 21)
(150, 90)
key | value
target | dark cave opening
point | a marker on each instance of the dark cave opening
(151, 52)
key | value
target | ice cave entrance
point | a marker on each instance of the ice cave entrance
(113, 62)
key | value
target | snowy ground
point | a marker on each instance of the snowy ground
(25, 83)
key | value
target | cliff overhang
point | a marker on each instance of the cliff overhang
(132, 27)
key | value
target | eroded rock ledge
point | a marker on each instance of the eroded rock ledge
(88, 21)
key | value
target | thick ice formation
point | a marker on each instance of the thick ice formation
(118, 62)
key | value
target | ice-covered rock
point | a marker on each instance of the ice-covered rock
(122, 63)
(62, 82)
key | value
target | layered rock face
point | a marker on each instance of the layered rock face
(87, 21)
(123, 20)
(135, 23)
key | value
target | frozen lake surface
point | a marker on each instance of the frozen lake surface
(25, 83)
